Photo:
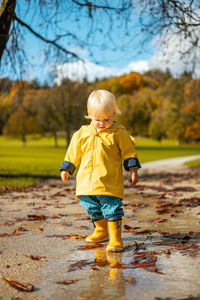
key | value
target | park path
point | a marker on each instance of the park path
(169, 163)
(42, 232)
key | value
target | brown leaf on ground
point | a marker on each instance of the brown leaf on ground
(144, 265)
(191, 202)
(59, 194)
(130, 280)
(65, 282)
(90, 246)
(157, 220)
(94, 268)
(68, 236)
(183, 189)
(41, 229)
(144, 231)
(36, 217)
(129, 228)
(122, 266)
(14, 233)
(82, 227)
(153, 269)
(33, 257)
(21, 286)
(79, 265)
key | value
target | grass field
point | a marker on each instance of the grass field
(194, 163)
(22, 166)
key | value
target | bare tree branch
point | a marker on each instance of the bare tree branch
(46, 40)
(90, 24)
(95, 6)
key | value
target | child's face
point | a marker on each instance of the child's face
(102, 123)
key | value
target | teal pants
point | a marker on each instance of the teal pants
(102, 207)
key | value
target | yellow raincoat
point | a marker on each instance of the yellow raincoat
(100, 155)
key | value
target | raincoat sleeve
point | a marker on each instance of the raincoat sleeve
(73, 155)
(128, 152)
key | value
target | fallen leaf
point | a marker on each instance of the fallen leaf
(36, 217)
(153, 269)
(24, 287)
(94, 268)
(123, 266)
(184, 189)
(59, 194)
(143, 232)
(130, 280)
(65, 282)
(68, 236)
(128, 228)
(82, 227)
(78, 265)
(33, 257)
(157, 220)
(91, 246)
(14, 233)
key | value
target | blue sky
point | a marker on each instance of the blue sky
(108, 58)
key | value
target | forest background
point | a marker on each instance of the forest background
(37, 121)
(154, 104)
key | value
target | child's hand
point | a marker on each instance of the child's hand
(64, 176)
(133, 178)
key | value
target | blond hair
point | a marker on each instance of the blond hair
(101, 103)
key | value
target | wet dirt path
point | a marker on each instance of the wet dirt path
(42, 234)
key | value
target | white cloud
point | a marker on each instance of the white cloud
(92, 71)
(169, 54)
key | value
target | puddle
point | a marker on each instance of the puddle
(174, 244)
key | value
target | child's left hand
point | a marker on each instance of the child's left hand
(133, 178)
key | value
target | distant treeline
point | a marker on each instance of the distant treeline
(154, 104)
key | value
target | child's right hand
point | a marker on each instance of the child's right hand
(64, 175)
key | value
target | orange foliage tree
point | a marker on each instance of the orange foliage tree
(191, 110)
(130, 82)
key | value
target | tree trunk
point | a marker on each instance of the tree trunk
(24, 139)
(7, 10)
(55, 139)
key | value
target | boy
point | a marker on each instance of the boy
(100, 148)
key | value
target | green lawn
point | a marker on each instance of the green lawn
(22, 166)
(149, 150)
(194, 163)
(38, 158)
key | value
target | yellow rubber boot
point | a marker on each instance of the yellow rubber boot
(115, 243)
(100, 233)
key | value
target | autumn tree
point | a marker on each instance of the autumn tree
(112, 84)
(157, 129)
(130, 82)
(22, 119)
(136, 111)
(48, 114)
(69, 102)
(7, 92)
(191, 110)
(20, 124)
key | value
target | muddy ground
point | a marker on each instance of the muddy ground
(42, 232)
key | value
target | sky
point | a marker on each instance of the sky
(106, 56)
